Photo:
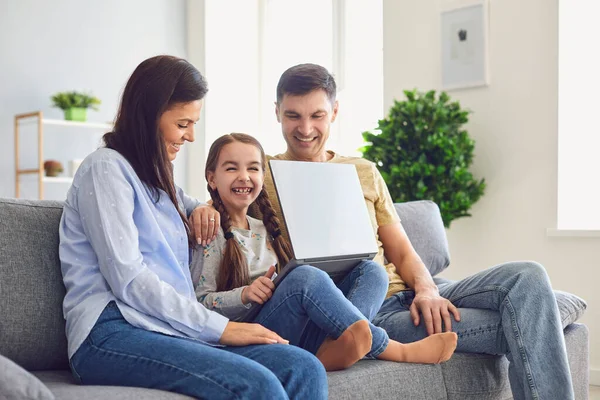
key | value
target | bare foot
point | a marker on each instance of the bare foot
(433, 349)
(352, 345)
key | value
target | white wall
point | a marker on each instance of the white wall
(514, 125)
(578, 131)
(46, 47)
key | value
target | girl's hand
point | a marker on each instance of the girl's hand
(261, 289)
(205, 222)
(243, 334)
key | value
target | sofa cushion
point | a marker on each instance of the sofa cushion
(62, 384)
(423, 224)
(32, 327)
(375, 379)
(18, 384)
(476, 377)
(571, 307)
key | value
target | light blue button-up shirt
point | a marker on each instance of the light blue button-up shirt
(117, 243)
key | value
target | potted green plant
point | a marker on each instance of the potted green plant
(52, 167)
(424, 153)
(75, 104)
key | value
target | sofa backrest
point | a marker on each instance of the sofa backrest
(423, 224)
(32, 327)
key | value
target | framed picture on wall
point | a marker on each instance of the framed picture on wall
(464, 35)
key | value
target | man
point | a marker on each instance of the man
(508, 309)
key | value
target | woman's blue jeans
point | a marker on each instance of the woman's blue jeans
(308, 306)
(116, 353)
(508, 309)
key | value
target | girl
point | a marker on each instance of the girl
(234, 272)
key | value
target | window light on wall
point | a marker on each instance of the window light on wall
(578, 107)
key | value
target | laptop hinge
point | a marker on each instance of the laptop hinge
(337, 258)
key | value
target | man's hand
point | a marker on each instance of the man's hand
(205, 223)
(435, 310)
(243, 334)
(260, 290)
(410, 267)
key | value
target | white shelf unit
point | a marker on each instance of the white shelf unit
(37, 117)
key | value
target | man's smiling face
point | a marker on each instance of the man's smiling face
(305, 123)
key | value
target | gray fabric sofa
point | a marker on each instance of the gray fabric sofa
(32, 336)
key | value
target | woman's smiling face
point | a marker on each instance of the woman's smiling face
(177, 125)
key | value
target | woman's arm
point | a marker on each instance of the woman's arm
(106, 200)
(189, 203)
(205, 220)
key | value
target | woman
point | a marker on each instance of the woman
(132, 315)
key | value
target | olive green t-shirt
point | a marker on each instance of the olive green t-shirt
(377, 198)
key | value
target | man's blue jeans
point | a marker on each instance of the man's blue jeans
(308, 306)
(508, 309)
(117, 353)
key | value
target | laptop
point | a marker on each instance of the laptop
(324, 210)
(326, 217)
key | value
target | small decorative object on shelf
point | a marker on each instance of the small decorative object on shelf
(53, 167)
(75, 104)
(75, 165)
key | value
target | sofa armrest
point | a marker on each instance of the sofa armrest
(423, 224)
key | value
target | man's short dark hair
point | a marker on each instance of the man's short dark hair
(302, 79)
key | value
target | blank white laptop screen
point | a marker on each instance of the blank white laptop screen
(326, 217)
(324, 210)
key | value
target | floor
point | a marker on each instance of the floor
(594, 393)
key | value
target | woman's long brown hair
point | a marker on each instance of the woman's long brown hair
(156, 85)
(233, 270)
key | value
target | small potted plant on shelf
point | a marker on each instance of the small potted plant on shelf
(53, 167)
(75, 104)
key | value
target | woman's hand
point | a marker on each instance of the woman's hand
(205, 222)
(243, 334)
(261, 289)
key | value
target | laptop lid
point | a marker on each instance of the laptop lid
(324, 211)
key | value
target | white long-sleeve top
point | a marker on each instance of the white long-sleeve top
(206, 261)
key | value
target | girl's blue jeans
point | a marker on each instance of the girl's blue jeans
(308, 306)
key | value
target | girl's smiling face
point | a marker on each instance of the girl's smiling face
(238, 176)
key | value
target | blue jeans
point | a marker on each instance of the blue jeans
(308, 306)
(117, 353)
(508, 309)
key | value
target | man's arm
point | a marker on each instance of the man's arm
(399, 251)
